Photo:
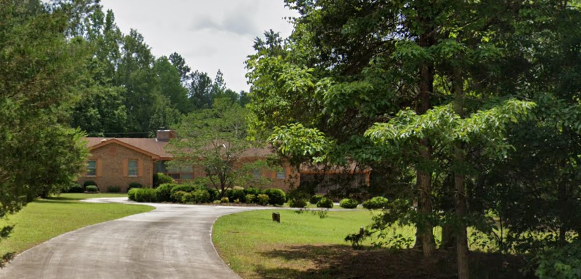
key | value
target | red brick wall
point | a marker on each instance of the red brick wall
(112, 167)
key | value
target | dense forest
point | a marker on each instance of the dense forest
(467, 112)
(127, 91)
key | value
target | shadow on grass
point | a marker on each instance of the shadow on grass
(340, 261)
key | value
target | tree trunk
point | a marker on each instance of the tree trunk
(460, 184)
(424, 184)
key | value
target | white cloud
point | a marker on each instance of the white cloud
(210, 35)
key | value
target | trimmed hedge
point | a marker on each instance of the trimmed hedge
(300, 203)
(275, 196)
(262, 199)
(160, 179)
(183, 188)
(325, 203)
(133, 185)
(89, 183)
(375, 203)
(348, 203)
(163, 192)
(250, 198)
(201, 196)
(142, 195)
(75, 189)
(315, 199)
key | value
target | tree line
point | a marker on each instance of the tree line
(128, 92)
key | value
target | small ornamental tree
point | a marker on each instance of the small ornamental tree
(216, 139)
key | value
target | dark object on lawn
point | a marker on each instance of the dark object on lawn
(276, 217)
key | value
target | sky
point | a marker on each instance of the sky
(210, 35)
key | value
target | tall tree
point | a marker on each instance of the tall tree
(40, 71)
(171, 85)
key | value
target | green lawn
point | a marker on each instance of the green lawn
(245, 240)
(44, 219)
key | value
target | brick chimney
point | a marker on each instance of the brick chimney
(165, 135)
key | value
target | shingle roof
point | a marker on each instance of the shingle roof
(149, 145)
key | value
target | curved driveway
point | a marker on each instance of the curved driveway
(173, 241)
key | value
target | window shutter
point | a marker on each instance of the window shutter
(139, 168)
(99, 171)
(125, 167)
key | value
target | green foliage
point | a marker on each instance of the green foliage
(134, 185)
(559, 262)
(164, 191)
(76, 188)
(250, 198)
(178, 196)
(92, 189)
(375, 203)
(315, 199)
(160, 178)
(143, 195)
(215, 139)
(236, 194)
(131, 193)
(113, 189)
(224, 200)
(201, 196)
(252, 191)
(348, 203)
(89, 183)
(183, 188)
(186, 197)
(325, 203)
(275, 196)
(262, 199)
(300, 203)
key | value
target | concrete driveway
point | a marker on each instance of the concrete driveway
(173, 241)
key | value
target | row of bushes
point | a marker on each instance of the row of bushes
(200, 194)
(90, 186)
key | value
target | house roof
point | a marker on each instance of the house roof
(148, 146)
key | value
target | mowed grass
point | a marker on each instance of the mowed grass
(44, 219)
(247, 241)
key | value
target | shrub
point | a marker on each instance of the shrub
(325, 203)
(297, 203)
(252, 191)
(76, 188)
(201, 196)
(113, 189)
(224, 200)
(144, 195)
(375, 203)
(237, 194)
(262, 199)
(89, 183)
(237, 188)
(178, 196)
(348, 203)
(275, 196)
(163, 192)
(134, 185)
(559, 262)
(315, 199)
(160, 179)
(188, 198)
(92, 189)
(214, 194)
(183, 188)
(132, 193)
(250, 198)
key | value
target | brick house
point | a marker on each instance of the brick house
(121, 161)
